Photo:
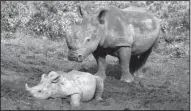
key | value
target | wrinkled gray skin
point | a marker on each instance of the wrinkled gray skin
(128, 34)
(79, 86)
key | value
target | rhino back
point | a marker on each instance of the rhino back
(85, 81)
(134, 27)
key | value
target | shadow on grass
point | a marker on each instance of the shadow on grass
(112, 70)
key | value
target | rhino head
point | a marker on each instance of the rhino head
(86, 36)
(48, 86)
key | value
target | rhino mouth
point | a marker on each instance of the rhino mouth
(50, 98)
(75, 57)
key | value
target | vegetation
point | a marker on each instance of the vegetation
(50, 19)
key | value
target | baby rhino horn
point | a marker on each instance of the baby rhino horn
(27, 87)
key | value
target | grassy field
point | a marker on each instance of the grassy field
(164, 85)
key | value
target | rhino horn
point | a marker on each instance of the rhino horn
(68, 41)
(81, 13)
(27, 87)
(71, 42)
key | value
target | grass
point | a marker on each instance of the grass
(165, 84)
(24, 59)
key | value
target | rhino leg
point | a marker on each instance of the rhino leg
(101, 61)
(99, 88)
(124, 60)
(137, 62)
(133, 63)
(75, 101)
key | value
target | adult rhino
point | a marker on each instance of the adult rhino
(128, 34)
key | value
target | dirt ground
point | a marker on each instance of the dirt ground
(164, 84)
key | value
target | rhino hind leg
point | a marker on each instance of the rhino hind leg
(99, 88)
(138, 61)
(133, 62)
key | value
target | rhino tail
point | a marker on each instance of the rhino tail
(99, 88)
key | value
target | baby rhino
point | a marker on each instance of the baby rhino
(79, 86)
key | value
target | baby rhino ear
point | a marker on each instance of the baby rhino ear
(43, 76)
(54, 77)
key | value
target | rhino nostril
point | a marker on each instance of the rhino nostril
(79, 56)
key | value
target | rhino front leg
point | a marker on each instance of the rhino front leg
(75, 101)
(124, 60)
(100, 58)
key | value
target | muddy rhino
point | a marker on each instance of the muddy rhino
(128, 34)
(79, 86)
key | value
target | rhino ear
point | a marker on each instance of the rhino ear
(56, 80)
(81, 13)
(102, 15)
(43, 76)
(53, 76)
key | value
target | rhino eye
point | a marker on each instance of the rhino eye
(88, 40)
(39, 91)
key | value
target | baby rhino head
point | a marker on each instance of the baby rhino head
(48, 87)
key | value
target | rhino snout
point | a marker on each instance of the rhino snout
(80, 58)
(73, 56)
